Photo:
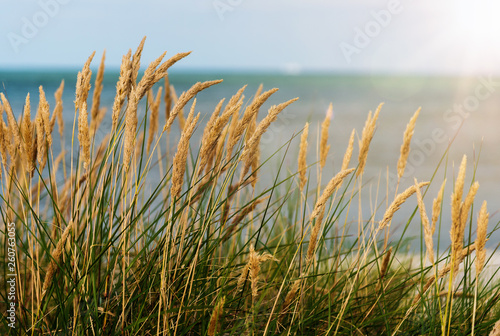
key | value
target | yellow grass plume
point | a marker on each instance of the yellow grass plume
(482, 228)
(250, 151)
(427, 226)
(398, 201)
(214, 318)
(252, 269)
(154, 108)
(324, 147)
(366, 138)
(180, 158)
(84, 136)
(405, 147)
(303, 157)
(185, 98)
(56, 258)
(237, 130)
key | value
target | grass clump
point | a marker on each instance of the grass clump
(133, 236)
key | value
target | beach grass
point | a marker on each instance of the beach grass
(139, 232)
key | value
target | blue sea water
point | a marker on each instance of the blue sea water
(459, 116)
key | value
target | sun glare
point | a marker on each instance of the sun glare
(478, 24)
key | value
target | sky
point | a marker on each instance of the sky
(355, 36)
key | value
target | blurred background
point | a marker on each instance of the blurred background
(441, 56)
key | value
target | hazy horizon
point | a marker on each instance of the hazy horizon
(359, 37)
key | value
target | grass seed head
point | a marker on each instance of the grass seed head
(324, 147)
(366, 138)
(303, 157)
(425, 222)
(482, 229)
(405, 147)
(398, 201)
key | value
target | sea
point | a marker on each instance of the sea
(459, 116)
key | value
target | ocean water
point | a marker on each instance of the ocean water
(459, 116)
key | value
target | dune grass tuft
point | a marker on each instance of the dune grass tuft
(134, 233)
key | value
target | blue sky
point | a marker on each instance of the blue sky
(367, 36)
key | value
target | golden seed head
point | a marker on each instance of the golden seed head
(303, 157)
(482, 228)
(324, 148)
(425, 222)
(185, 97)
(329, 190)
(385, 263)
(58, 110)
(436, 206)
(396, 204)
(84, 135)
(405, 147)
(214, 319)
(250, 153)
(366, 138)
(180, 158)
(154, 107)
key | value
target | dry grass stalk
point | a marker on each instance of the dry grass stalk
(167, 98)
(96, 99)
(154, 107)
(207, 131)
(149, 78)
(162, 69)
(214, 319)
(456, 200)
(445, 270)
(429, 244)
(122, 88)
(56, 258)
(467, 204)
(290, 296)
(83, 83)
(405, 147)
(214, 128)
(27, 134)
(348, 152)
(482, 228)
(57, 113)
(84, 135)
(180, 117)
(398, 201)
(130, 128)
(219, 150)
(385, 263)
(366, 138)
(250, 153)
(252, 268)
(496, 329)
(185, 98)
(44, 110)
(13, 129)
(180, 158)
(252, 125)
(40, 140)
(135, 64)
(4, 131)
(303, 157)
(97, 114)
(324, 147)
(313, 240)
(232, 130)
(329, 190)
(436, 206)
(237, 131)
